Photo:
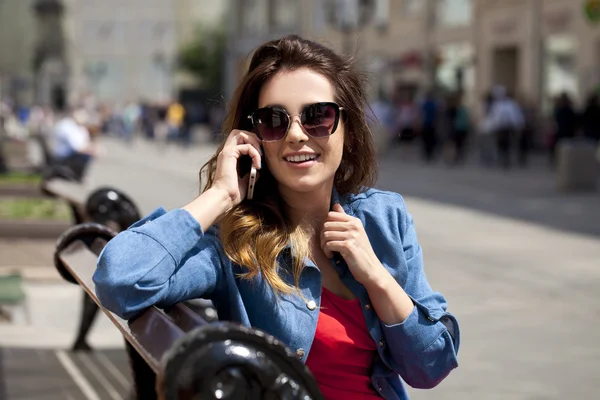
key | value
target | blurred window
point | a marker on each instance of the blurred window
(381, 16)
(454, 12)
(456, 71)
(285, 14)
(412, 7)
(254, 17)
(560, 66)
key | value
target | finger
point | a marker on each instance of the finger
(250, 134)
(338, 208)
(238, 136)
(335, 247)
(332, 236)
(251, 138)
(249, 150)
(335, 226)
(335, 216)
(328, 253)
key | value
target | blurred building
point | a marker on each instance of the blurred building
(60, 51)
(539, 48)
(398, 41)
(17, 44)
(535, 48)
(193, 17)
(121, 51)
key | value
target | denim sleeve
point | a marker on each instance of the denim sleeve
(424, 346)
(161, 260)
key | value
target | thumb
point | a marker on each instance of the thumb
(338, 208)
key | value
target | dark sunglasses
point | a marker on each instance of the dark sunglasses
(318, 120)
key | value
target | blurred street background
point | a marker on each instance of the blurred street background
(486, 117)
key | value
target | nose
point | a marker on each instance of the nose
(296, 134)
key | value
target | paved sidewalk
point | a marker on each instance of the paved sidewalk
(528, 194)
(63, 375)
(517, 261)
(33, 258)
(49, 319)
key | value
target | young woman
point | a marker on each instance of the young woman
(317, 258)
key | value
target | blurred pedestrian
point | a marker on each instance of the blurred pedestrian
(430, 110)
(506, 119)
(5, 112)
(565, 121)
(131, 120)
(175, 116)
(458, 127)
(185, 131)
(486, 140)
(526, 134)
(406, 118)
(381, 122)
(71, 143)
(590, 119)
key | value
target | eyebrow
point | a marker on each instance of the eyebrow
(303, 106)
(277, 105)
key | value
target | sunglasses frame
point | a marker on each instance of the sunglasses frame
(290, 116)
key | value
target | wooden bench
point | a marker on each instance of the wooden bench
(106, 206)
(177, 354)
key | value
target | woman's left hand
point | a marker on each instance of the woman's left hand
(346, 235)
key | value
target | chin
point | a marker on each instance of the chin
(305, 184)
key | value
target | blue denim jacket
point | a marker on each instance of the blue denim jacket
(166, 258)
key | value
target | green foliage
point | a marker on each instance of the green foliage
(204, 58)
(20, 178)
(34, 209)
(592, 10)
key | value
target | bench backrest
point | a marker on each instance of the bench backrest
(176, 351)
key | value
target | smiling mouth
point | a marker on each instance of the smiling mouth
(299, 159)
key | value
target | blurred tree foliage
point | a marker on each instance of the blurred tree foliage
(204, 58)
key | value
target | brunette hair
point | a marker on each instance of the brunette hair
(255, 232)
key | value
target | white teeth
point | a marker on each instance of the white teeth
(301, 158)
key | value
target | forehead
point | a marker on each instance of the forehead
(295, 89)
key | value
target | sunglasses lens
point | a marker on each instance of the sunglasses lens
(271, 124)
(320, 120)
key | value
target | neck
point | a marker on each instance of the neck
(308, 209)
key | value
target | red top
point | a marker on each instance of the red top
(342, 352)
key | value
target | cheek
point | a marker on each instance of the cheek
(337, 148)
(271, 152)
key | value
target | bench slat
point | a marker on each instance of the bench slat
(72, 192)
(185, 318)
(151, 334)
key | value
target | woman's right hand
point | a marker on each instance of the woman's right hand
(239, 143)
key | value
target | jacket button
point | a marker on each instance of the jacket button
(381, 343)
(311, 305)
(300, 353)
(368, 307)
